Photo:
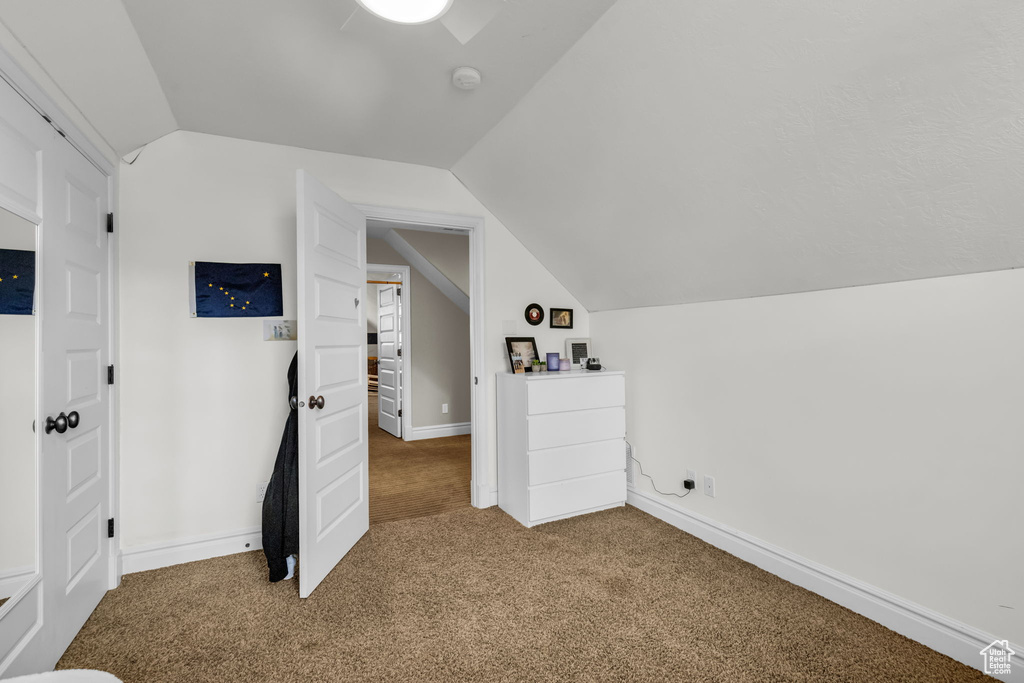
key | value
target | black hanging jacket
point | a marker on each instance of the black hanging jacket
(281, 503)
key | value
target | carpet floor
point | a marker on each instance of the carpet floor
(471, 595)
(416, 478)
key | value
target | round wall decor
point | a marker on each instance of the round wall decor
(534, 314)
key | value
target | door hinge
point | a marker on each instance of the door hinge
(399, 291)
(476, 380)
(399, 353)
(399, 412)
(110, 222)
(110, 528)
(110, 374)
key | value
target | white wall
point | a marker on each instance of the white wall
(875, 430)
(17, 405)
(439, 352)
(448, 253)
(203, 401)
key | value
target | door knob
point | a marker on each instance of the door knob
(312, 402)
(59, 425)
(73, 419)
(293, 402)
(319, 402)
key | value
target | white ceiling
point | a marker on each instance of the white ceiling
(703, 150)
(656, 152)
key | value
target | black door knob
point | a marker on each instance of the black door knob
(312, 402)
(72, 419)
(320, 402)
(59, 425)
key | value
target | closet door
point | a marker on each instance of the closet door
(334, 510)
(76, 342)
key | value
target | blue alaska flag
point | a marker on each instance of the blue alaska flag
(17, 281)
(238, 290)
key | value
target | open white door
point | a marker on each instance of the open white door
(389, 401)
(75, 478)
(334, 508)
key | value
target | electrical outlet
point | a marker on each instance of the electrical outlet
(263, 491)
(444, 408)
(692, 474)
(709, 486)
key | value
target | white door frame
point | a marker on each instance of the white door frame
(405, 390)
(480, 491)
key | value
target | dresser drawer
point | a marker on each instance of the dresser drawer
(555, 464)
(580, 426)
(577, 495)
(575, 393)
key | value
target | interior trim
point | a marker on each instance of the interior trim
(939, 632)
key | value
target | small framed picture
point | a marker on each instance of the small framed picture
(561, 318)
(522, 351)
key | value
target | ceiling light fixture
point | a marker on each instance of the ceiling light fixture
(407, 11)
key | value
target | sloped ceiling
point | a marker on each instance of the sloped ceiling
(90, 49)
(704, 150)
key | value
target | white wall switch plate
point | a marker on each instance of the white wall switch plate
(263, 491)
(444, 408)
(709, 486)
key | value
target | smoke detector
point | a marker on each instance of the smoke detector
(466, 78)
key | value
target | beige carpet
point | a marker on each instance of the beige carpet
(416, 478)
(473, 596)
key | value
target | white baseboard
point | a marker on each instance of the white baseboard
(157, 555)
(438, 431)
(13, 580)
(942, 634)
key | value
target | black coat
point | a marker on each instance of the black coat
(281, 503)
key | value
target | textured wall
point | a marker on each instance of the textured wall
(693, 151)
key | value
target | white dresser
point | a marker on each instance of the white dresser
(561, 444)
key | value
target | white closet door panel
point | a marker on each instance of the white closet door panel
(389, 386)
(577, 495)
(76, 347)
(577, 393)
(23, 135)
(22, 620)
(581, 460)
(582, 426)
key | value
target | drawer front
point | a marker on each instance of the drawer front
(575, 393)
(577, 495)
(581, 426)
(556, 464)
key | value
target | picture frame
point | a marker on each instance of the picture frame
(561, 318)
(521, 352)
(578, 350)
(534, 314)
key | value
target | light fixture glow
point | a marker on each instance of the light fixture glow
(407, 11)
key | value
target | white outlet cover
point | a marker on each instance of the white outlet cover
(709, 486)
(692, 474)
(444, 407)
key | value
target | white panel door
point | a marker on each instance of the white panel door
(334, 509)
(24, 139)
(389, 395)
(75, 489)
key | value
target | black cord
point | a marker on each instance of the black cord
(664, 493)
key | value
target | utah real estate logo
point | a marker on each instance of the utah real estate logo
(997, 658)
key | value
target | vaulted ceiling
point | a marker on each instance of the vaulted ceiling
(646, 151)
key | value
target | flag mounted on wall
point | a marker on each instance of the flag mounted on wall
(17, 281)
(236, 290)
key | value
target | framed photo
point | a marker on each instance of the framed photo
(522, 351)
(577, 350)
(561, 318)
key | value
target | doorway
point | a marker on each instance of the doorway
(419, 369)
